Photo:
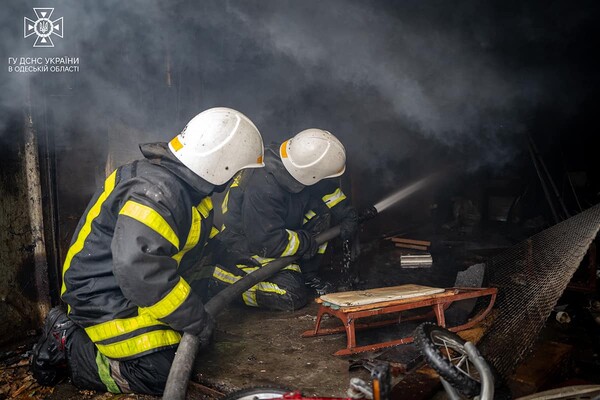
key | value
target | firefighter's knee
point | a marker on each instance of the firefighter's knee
(290, 301)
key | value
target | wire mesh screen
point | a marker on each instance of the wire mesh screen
(531, 276)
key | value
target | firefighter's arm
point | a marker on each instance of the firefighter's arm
(343, 212)
(145, 240)
(263, 218)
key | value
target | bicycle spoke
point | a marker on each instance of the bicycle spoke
(461, 361)
(456, 357)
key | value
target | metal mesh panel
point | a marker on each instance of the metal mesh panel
(531, 276)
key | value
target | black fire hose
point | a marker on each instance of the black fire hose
(181, 369)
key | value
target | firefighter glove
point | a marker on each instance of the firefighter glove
(205, 335)
(349, 226)
(311, 250)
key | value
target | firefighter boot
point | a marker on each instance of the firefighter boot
(49, 354)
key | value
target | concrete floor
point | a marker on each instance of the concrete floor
(255, 347)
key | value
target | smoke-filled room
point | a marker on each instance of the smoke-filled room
(299, 200)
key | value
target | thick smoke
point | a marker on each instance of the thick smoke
(393, 80)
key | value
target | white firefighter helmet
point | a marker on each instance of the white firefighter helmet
(217, 143)
(312, 155)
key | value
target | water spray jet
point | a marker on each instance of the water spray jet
(403, 193)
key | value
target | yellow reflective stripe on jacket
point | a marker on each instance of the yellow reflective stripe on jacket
(193, 236)
(225, 202)
(170, 302)
(249, 270)
(201, 211)
(147, 316)
(235, 183)
(214, 231)
(152, 219)
(118, 327)
(293, 244)
(308, 216)
(334, 198)
(139, 344)
(225, 276)
(262, 260)
(85, 230)
(205, 207)
(322, 248)
(246, 268)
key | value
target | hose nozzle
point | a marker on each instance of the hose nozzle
(367, 214)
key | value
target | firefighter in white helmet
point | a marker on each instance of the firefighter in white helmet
(123, 276)
(277, 211)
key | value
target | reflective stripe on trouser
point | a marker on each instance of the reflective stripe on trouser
(283, 291)
(91, 370)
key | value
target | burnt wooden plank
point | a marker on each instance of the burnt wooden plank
(418, 385)
(410, 246)
(541, 369)
(411, 241)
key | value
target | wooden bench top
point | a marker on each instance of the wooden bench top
(382, 296)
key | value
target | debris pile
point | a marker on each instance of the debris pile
(16, 381)
(415, 253)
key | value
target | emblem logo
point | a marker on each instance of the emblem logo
(43, 27)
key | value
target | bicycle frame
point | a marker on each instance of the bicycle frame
(485, 373)
(379, 389)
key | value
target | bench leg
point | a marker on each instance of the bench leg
(350, 332)
(319, 317)
(439, 314)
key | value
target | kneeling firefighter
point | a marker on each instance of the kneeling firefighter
(277, 211)
(128, 302)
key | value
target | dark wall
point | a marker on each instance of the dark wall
(19, 299)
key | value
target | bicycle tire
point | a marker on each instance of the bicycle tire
(427, 338)
(258, 393)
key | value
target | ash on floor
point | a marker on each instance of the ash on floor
(255, 347)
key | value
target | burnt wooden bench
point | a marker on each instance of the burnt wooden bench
(349, 307)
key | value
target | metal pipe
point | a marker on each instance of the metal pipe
(554, 188)
(485, 372)
(543, 183)
(450, 391)
(574, 192)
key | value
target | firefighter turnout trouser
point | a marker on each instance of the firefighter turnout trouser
(90, 369)
(283, 291)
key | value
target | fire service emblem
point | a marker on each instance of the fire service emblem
(43, 27)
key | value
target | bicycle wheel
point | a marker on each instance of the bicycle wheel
(444, 351)
(257, 393)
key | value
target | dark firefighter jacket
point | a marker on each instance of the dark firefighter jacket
(122, 274)
(264, 210)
